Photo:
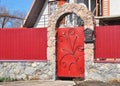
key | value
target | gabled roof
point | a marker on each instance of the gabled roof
(33, 13)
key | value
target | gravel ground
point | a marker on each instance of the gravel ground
(97, 83)
(38, 83)
(60, 83)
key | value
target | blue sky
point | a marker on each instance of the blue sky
(13, 5)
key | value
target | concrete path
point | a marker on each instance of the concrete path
(38, 83)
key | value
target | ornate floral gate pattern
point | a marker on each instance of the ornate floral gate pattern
(70, 52)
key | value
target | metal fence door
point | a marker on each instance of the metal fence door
(70, 52)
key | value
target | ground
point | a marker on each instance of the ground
(60, 83)
(38, 83)
(98, 83)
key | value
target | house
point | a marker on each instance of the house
(105, 11)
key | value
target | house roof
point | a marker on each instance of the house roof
(33, 13)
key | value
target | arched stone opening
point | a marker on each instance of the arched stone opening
(80, 10)
(69, 17)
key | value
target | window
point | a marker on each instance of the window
(52, 6)
(105, 7)
(91, 5)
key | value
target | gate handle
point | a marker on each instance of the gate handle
(82, 48)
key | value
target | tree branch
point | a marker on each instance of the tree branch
(10, 16)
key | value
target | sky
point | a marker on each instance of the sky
(20, 5)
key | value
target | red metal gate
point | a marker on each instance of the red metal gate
(70, 52)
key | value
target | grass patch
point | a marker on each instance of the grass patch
(7, 79)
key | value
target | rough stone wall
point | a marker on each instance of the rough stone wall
(99, 71)
(26, 70)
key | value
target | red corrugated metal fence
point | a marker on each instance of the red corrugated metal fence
(23, 44)
(107, 43)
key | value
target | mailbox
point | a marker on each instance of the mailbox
(88, 35)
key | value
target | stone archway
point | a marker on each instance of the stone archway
(80, 10)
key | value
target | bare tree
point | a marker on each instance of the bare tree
(3, 20)
(16, 22)
(8, 19)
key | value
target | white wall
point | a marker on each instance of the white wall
(114, 7)
(40, 21)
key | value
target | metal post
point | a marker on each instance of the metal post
(89, 1)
